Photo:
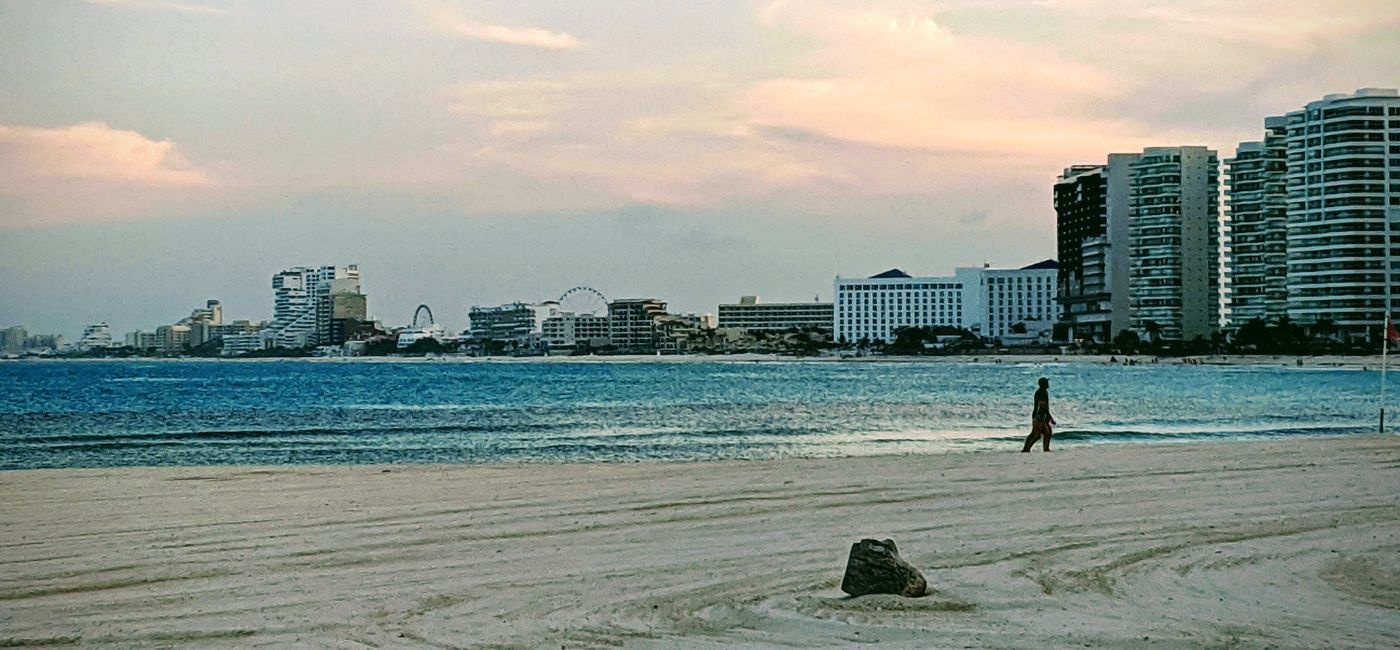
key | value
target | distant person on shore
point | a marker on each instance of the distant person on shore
(1042, 423)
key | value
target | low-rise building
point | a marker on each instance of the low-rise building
(241, 343)
(140, 340)
(570, 332)
(14, 340)
(1029, 332)
(989, 302)
(634, 325)
(752, 314)
(212, 312)
(44, 342)
(202, 332)
(516, 327)
(678, 333)
(411, 335)
(172, 338)
(997, 300)
(874, 308)
(96, 336)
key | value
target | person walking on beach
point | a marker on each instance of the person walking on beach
(1042, 423)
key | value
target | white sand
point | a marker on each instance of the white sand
(1292, 544)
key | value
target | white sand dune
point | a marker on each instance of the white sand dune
(1244, 544)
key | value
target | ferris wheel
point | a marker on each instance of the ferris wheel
(583, 300)
(418, 322)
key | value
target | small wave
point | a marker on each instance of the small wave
(232, 435)
(1119, 435)
(155, 380)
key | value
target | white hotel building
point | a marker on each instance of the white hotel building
(989, 302)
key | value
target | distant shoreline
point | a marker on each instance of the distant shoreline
(1288, 361)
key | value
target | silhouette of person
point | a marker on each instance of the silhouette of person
(1042, 423)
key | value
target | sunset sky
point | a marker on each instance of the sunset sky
(158, 153)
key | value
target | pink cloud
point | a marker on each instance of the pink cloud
(90, 169)
(896, 78)
(443, 18)
(986, 95)
(887, 102)
(903, 97)
(639, 137)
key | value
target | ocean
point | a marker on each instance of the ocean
(56, 414)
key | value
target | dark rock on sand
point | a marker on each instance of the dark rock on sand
(875, 567)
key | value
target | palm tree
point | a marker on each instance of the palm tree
(1325, 328)
(1154, 330)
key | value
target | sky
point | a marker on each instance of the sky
(158, 153)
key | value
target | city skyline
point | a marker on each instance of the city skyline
(157, 154)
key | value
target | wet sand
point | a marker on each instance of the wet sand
(1233, 544)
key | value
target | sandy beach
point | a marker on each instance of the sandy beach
(1292, 544)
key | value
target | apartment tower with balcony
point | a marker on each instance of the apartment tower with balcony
(1254, 284)
(1174, 233)
(1343, 212)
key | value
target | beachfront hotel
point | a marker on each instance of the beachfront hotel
(995, 301)
(990, 302)
(871, 309)
(1174, 233)
(1343, 213)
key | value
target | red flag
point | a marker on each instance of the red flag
(1390, 333)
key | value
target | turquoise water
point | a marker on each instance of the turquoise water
(116, 413)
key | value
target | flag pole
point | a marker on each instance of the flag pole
(1386, 337)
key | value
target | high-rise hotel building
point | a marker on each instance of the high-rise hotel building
(301, 313)
(1343, 223)
(1091, 209)
(1310, 228)
(1174, 239)
(1255, 281)
(1138, 242)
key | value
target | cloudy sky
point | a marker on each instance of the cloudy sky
(157, 153)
